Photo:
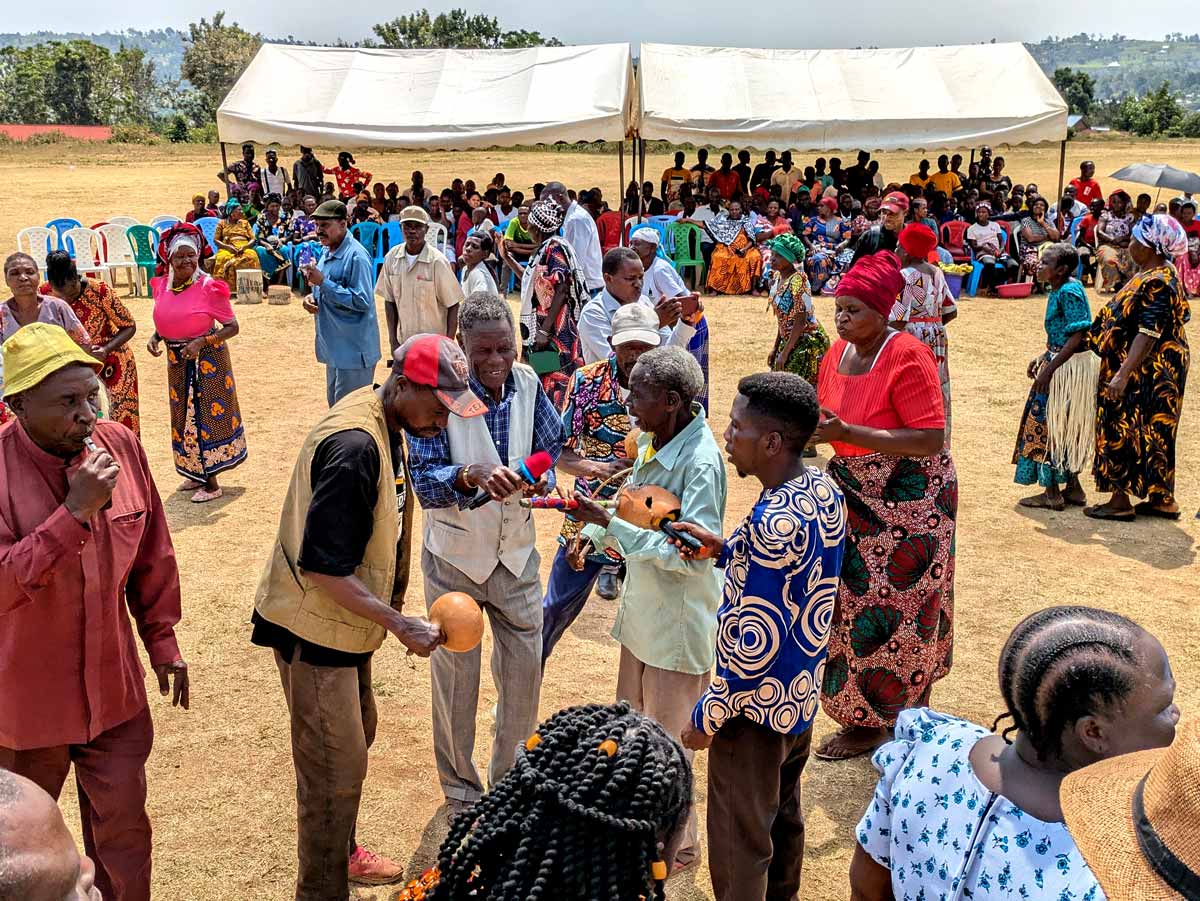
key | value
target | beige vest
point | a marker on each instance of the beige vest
(475, 541)
(285, 596)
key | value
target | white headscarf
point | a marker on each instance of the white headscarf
(182, 240)
(647, 234)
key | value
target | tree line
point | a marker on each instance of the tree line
(79, 82)
(1156, 113)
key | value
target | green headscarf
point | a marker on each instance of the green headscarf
(789, 247)
(231, 203)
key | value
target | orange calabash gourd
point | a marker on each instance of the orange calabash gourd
(647, 506)
(460, 619)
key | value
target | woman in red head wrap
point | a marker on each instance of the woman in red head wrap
(925, 304)
(881, 409)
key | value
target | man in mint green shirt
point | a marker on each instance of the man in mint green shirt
(666, 622)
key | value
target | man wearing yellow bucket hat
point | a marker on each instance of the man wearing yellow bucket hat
(83, 539)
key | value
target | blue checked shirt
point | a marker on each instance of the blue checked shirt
(433, 473)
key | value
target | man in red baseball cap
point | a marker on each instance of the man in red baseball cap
(334, 587)
(883, 235)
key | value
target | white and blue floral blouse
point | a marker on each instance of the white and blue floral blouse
(944, 836)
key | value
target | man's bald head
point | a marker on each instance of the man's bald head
(38, 859)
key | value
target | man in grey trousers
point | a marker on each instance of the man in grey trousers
(486, 551)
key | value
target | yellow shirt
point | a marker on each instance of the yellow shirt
(946, 182)
(915, 179)
(675, 178)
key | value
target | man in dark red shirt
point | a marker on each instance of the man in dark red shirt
(1087, 188)
(84, 545)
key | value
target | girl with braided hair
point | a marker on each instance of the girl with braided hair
(591, 810)
(959, 812)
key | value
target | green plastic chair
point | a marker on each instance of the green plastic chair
(143, 241)
(687, 249)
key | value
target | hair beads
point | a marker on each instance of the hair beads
(579, 816)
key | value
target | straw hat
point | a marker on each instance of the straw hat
(1136, 819)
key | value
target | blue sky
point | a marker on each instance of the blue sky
(715, 22)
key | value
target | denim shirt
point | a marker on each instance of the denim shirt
(347, 327)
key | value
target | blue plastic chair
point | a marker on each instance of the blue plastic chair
(208, 225)
(61, 227)
(394, 236)
(370, 236)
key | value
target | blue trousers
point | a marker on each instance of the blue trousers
(566, 593)
(340, 382)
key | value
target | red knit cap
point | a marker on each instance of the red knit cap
(918, 240)
(875, 280)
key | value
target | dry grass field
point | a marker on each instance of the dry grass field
(221, 782)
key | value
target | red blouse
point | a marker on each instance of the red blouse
(902, 390)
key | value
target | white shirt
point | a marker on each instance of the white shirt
(274, 184)
(1077, 210)
(704, 214)
(579, 228)
(478, 278)
(595, 327)
(662, 281)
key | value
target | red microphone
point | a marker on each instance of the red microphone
(530, 469)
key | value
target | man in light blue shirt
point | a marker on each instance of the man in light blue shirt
(667, 619)
(343, 300)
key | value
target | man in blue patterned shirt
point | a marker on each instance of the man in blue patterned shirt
(781, 577)
(486, 551)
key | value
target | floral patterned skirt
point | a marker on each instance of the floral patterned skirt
(805, 358)
(892, 634)
(206, 422)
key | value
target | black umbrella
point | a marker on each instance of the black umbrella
(1160, 175)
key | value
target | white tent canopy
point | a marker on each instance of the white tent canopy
(430, 99)
(821, 100)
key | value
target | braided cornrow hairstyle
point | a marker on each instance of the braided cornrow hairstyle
(1062, 664)
(571, 820)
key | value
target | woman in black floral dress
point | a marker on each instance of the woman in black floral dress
(1143, 350)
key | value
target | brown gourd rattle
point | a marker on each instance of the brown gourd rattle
(460, 619)
(654, 508)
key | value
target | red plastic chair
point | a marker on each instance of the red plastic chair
(954, 240)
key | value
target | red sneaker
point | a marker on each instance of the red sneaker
(369, 868)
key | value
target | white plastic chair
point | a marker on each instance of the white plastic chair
(115, 253)
(33, 241)
(162, 223)
(84, 246)
(437, 234)
(124, 222)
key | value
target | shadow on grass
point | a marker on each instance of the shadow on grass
(1160, 543)
(183, 514)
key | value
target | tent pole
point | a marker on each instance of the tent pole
(1062, 168)
(225, 170)
(621, 186)
(641, 164)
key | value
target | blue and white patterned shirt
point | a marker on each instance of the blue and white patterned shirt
(781, 578)
(433, 472)
(944, 835)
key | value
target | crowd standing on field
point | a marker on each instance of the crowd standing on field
(834, 592)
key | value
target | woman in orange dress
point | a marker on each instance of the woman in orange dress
(736, 263)
(111, 327)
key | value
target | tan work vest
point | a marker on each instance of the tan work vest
(285, 596)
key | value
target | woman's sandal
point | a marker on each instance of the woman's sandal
(1102, 512)
(203, 496)
(1145, 508)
